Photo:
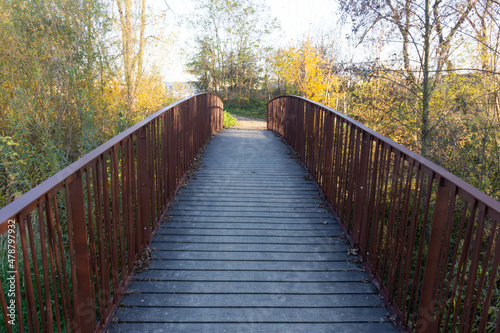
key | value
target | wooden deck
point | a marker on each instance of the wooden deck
(249, 248)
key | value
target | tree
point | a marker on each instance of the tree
(61, 93)
(53, 69)
(133, 43)
(308, 70)
(441, 95)
(228, 45)
(426, 30)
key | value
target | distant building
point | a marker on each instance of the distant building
(181, 89)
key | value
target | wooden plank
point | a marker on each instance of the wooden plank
(256, 276)
(245, 287)
(212, 174)
(262, 182)
(266, 185)
(248, 256)
(253, 327)
(243, 213)
(251, 300)
(247, 247)
(253, 265)
(245, 239)
(288, 197)
(249, 232)
(251, 315)
(180, 209)
(271, 191)
(252, 226)
(216, 202)
(236, 160)
(253, 219)
(250, 173)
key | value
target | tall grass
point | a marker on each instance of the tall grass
(250, 108)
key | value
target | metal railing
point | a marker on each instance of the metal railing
(73, 240)
(430, 241)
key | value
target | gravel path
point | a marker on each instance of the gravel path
(249, 123)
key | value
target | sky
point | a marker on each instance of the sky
(297, 18)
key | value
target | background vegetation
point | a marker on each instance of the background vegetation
(71, 77)
(428, 77)
(74, 73)
(438, 93)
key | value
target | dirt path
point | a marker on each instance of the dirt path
(249, 123)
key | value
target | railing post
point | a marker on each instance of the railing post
(359, 226)
(85, 308)
(425, 318)
(143, 187)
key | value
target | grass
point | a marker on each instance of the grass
(251, 109)
(229, 120)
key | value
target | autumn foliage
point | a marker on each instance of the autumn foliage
(62, 89)
(307, 70)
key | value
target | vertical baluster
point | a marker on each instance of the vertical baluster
(473, 269)
(85, 308)
(53, 258)
(420, 258)
(410, 245)
(119, 250)
(67, 310)
(492, 284)
(5, 311)
(28, 281)
(92, 241)
(143, 192)
(350, 173)
(328, 145)
(372, 200)
(425, 318)
(36, 271)
(360, 227)
(103, 259)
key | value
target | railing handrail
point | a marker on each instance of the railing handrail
(12, 209)
(482, 197)
(74, 240)
(428, 238)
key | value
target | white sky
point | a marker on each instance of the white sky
(297, 18)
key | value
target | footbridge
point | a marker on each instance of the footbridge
(318, 224)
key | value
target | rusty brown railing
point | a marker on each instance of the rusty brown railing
(72, 241)
(430, 241)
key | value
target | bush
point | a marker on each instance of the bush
(229, 120)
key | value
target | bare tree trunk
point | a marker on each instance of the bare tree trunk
(132, 63)
(142, 46)
(424, 131)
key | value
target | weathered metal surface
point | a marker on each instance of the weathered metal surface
(250, 246)
(80, 232)
(430, 240)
